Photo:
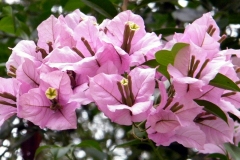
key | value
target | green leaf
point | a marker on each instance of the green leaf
(218, 155)
(163, 69)
(72, 5)
(7, 11)
(212, 108)
(90, 143)
(104, 7)
(128, 143)
(7, 25)
(165, 57)
(40, 149)
(234, 151)
(96, 154)
(221, 81)
(59, 152)
(151, 63)
(168, 31)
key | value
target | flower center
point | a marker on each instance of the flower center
(51, 93)
(124, 82)
(129, 31)
(133, 26)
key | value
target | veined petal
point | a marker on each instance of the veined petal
(120, 114)
(143, 83)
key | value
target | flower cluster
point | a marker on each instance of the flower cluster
(77, 61)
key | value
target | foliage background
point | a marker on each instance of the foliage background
(96, 137)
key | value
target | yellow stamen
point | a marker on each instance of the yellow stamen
(133, 26)
(124, 82)
(51, 93)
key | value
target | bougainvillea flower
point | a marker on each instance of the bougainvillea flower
(23, 50)
(124, 100)
(47, 106)
(127, 31)
(27, 73)
(80, 95)
(217, 131)
(189, 136)
(62, 58)
(145, 49)
(204, 33)
(8, 100)
(116, 27)
(87, 36)
(68, 25)
(48, 34)
(175, 124)
(192, 70)
(114, 54)
(207, 20)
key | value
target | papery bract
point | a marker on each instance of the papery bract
(115, 27)
(24, 49)
(217, 131)
(57, 113)
(48, 32)
(36, 108)
(105, 91)
(8, 104)
(62, 58)
(27, 73)
(87, 36)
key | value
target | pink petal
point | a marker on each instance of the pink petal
(8, 85)
(64, 118)
(167, 121)
(117, 24)
(28, 73)
(74, 18)
(58, 80)
(24, 49)
(35, 107)
(87, 30)
(143, 83)
(104, 90)
(210, 148)
(108, 68)
(115, 54)
(48, 31)
(217, 131)
(140, 111)
(189, 111)
(190, 136)
(6, 112)
(145, 49)
(208, 20)
(195, 33)
(120, 115)
(79, 95)
(62, 58)
(86, 68)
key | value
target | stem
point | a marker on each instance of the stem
(155, 149)
(125, 4)
(134, 134)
